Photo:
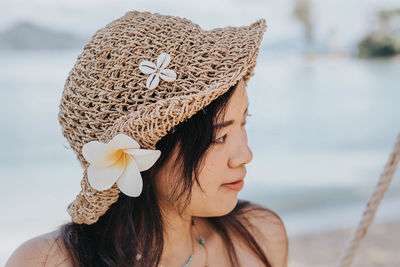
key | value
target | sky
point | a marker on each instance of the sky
(350, 19)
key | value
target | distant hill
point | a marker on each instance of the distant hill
(385, 40)
(26, 35)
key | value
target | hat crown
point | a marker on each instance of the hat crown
(106, 82)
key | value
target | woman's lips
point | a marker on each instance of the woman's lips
(237, 186)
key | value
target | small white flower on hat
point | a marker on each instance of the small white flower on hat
(120, 160)
(157, 71)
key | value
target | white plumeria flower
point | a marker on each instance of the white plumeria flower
(157, 71)
(121, 160)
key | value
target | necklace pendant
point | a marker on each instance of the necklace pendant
(202, 241)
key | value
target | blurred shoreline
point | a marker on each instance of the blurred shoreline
(380, 247)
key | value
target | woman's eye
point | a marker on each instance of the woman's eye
(245, 120)
(220, 140)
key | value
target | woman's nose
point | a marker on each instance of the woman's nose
(242, 154)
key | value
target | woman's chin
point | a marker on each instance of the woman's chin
(228, 206)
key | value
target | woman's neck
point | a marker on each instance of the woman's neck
(177, 239)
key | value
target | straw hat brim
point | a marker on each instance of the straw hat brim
(233, 57)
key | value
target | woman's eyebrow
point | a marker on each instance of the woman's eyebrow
(227, 123)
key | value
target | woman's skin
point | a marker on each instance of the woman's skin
(224, 163)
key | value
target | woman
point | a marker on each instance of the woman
(155, 110)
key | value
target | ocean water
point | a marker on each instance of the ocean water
(321, 132)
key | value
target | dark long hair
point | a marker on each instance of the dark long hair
(135, 225)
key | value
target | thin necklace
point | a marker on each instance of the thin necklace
(201, 241)
(191, 255)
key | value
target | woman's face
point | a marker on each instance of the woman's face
(224, 163)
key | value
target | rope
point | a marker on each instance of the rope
(358, 235)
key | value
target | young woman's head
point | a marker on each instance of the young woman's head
(148, 76)
(144, 75)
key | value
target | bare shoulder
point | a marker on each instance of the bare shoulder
(43, 250)
(269, 231)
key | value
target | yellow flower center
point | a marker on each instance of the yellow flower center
(119, 158)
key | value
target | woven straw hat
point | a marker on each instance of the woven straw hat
(109, 90)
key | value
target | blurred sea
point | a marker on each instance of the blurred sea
(321, 132)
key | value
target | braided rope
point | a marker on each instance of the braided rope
(358, 235)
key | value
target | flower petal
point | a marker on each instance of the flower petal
(96, 152)
(102, 178)
(153, 81)
(163, 60)
(168, 75)
(144, 158)
(130, 182)
(121, 141)
(147, 67)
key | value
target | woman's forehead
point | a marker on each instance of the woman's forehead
(236, 106)
(239, 100)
